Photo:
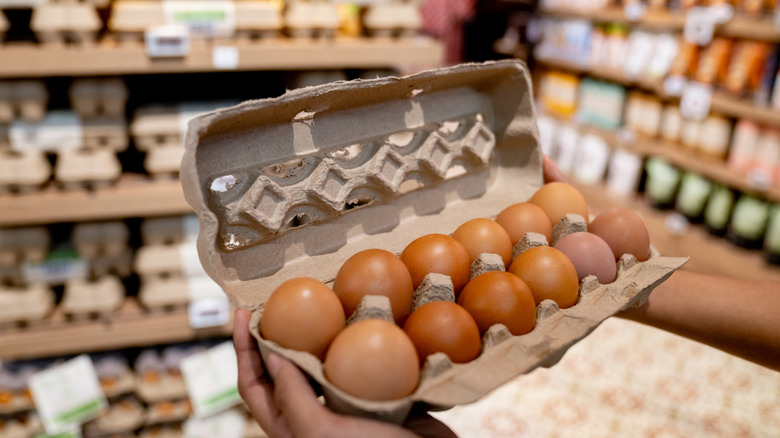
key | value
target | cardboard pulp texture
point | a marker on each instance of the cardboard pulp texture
(293, 186)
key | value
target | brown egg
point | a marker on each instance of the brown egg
(624, 231)
(549, 274)
(442, 326)
(484, 236)
(558, 199)
(373, 359)
(524, 217)
(439, 254)
(375, 272)
(590, 255)
(302, 314)
(498, 297)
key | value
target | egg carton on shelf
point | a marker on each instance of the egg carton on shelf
(27, 304)
(156, 130)
(130, 18)
(65, 21)
(321, 173)
(94, 98)
(159, 374)
(98, 239)
(120, 265)
(169, 230)
(168, 411)
(23, 172)
(85, 298)
(173, 430)
(114, 373)
(258, 19)
(23, 99)
(79, 169)
(24, 425)
(20, 245)
(15, 396)
(311, 19)
(401, 18)
(123, 415)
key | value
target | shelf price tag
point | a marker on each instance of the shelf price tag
(167, 41)
(211, 378)
(674, 85)
(225, 57)
(635, 10)
(699, 26)
(228, 423)
(67, 395)
(696, 100)
(759, 178)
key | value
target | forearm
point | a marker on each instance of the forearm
(738, 316)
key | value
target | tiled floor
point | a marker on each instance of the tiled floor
(629, 380)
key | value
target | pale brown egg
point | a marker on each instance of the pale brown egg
(558, 199)
(483, 235)
(524, 217)
(373, 359)
(549, 274)
(302, 314)
(624, 231)
(590, 255)
(439, 254)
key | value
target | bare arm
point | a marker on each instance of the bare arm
(741, 317)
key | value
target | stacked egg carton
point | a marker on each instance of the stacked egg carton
(23, 167)
(105, 249)
(65, 21)
(100, 105)
(311, 18)
(22, 298)
(394, 18)
(125, 412)
(248, 19)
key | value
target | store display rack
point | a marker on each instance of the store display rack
(111, 58)
(130, 326)
(739, 26)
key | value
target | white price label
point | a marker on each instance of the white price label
(225, 57)
(59, 130)
(592, 159)
(721, 13)
(230, 423)
(674, 85)
(695, 101)
(211, 378)
(55, 271)
(635, 10)
(625, 169)
(699, 26)
(167, 41)
(67, 395)
(210, 312)
(759, 179)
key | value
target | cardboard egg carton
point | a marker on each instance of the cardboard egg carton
(61, 22)
(159, 376)
(169, 230)
(162, 431)
(311, 19)
(104, 133)
(293, 186)
(25, 425)
(23, 172)
(116, 377)
(167, 412)
(119, 265)
(395, 18)
(258, 19)
(29, 303)
(156, 130)
(130, 18)
(123, 415)
(101, 296)
(92, 98)
(19, 245)
(98, 239)
(23, 99)
(76, 169)
(14, 394)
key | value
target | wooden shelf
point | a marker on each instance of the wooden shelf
(708, 254)
(110, 58)
(721, 102)
(740, 26)
(132, 196)
(128, 327)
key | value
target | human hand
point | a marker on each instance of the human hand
(289, 407)
(551, 171)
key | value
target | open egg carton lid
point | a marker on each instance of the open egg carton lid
(293, 186)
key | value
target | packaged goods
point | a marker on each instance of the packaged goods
(717, 213)
(601, 104)
(748, 222)
(772, 238)
(321, 173)
(694, 192)
(714, 62)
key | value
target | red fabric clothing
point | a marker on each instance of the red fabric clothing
(443, 19)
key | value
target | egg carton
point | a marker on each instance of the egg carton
(15, 396)
(93, 240)
(27, 304)
(105, 133)
(20, 245)
(168, 411)
(78, 169)
(119, 265)
(395, 18)
(21, 426)
(169, 230)
(157, 293)
(311, 19)
(123, 415)
(295, 185)
(93, 98)
(23, 100)
(65, 22)
(159, 376)
(162, 431)
(115, 376)
(84, 298)
(258, 20)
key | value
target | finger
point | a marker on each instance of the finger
(295, 398)
(428, 427)
(253, 386)
(551, 171)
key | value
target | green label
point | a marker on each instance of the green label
(750, 217)
(772, 242)
(82, 412)
(718, 208)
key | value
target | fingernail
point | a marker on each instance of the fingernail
(274, 362)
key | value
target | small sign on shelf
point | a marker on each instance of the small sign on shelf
(696, 101)
(167, 41)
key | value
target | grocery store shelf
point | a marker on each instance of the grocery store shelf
(129, 327)
(111, 58)
(132, 196)
(739, 26)
(721, 102)
(708, 254)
